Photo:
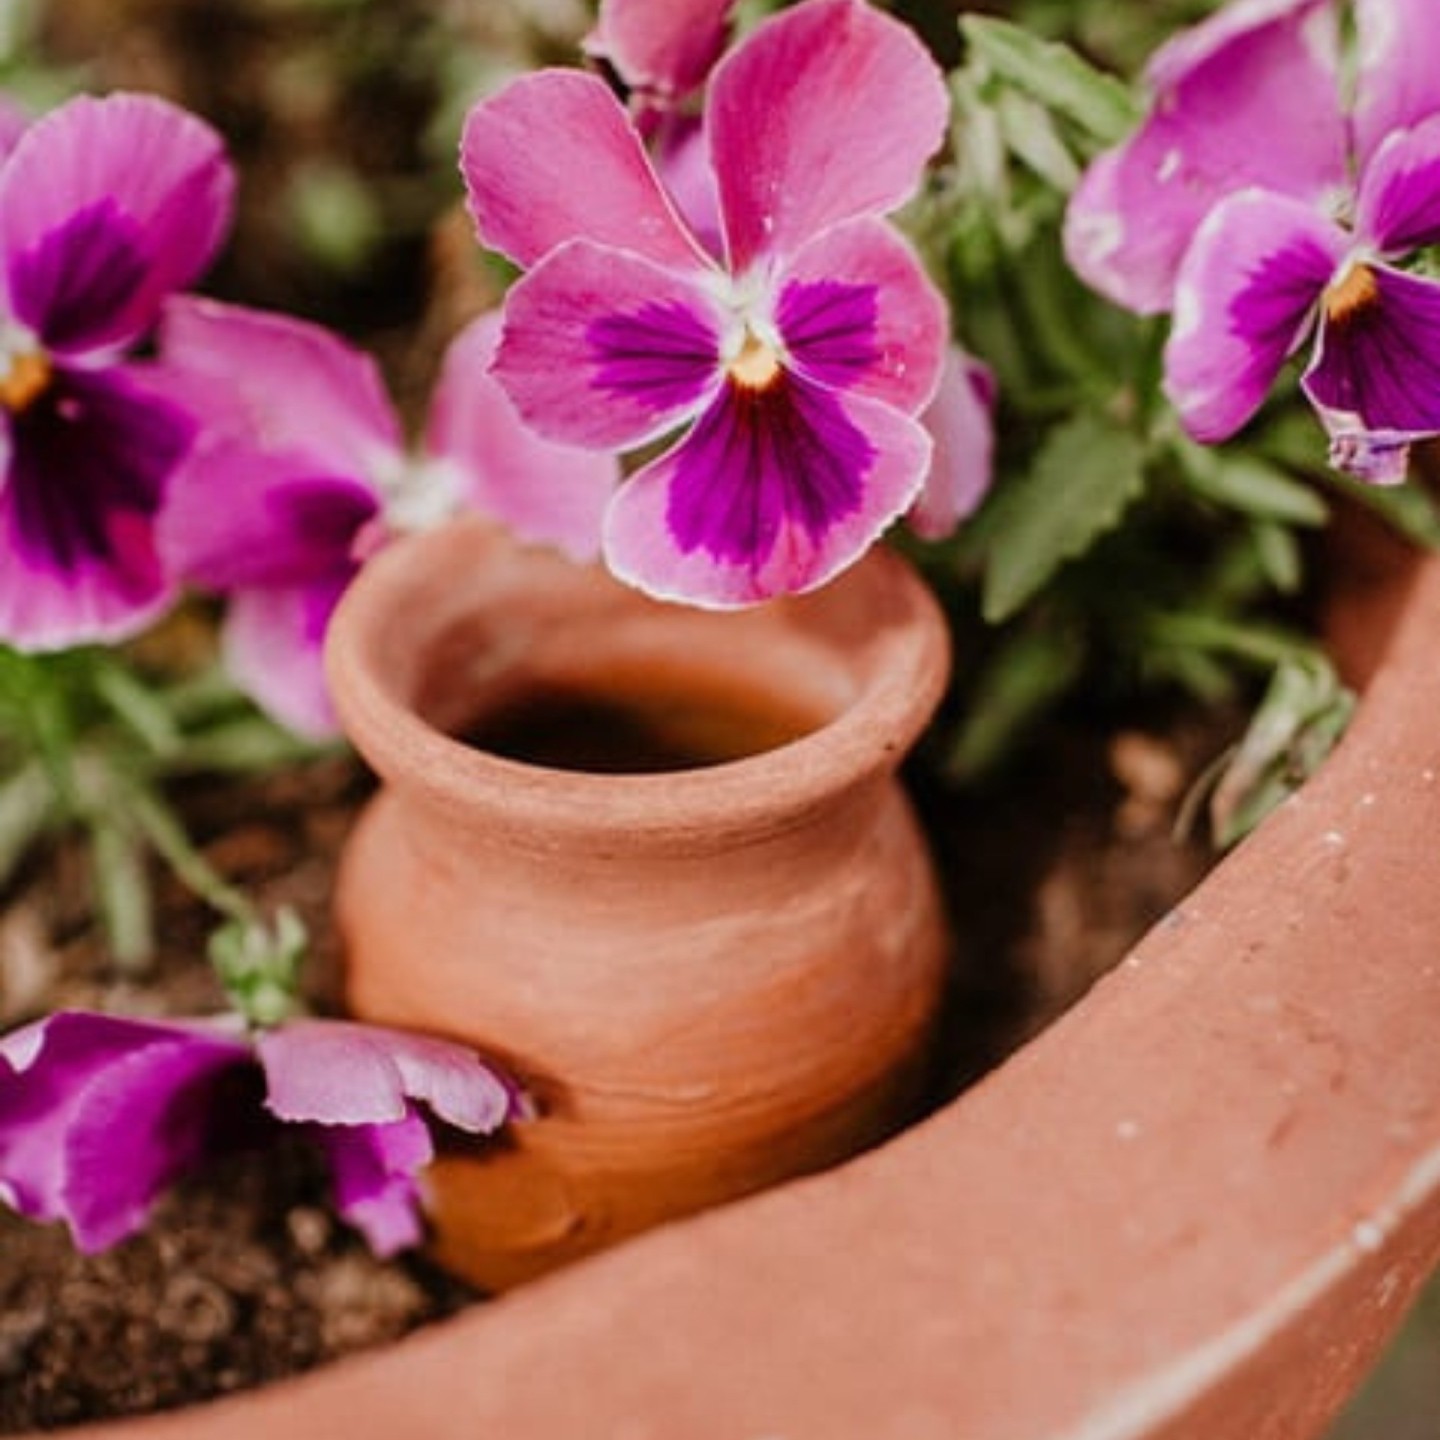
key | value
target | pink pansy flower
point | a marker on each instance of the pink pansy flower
(793, 372)
(303, 469)
(661, 50)
(106, 206)
(961, 422)
(1257, 207)
(99, 1114)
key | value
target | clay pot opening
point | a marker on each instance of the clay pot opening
(736, 716)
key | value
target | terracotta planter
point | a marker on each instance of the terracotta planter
(702, 929)
(1191, 1210)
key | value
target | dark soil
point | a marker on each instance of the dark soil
(244, 1277)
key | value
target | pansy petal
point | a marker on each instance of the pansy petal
(663, 51)
(553, 494)
(1397, 82)
(89, 463)
(1398, 207)
(1266, 68)
(106, 206)
(1379, 457)
(770, 494)
(59, 1078)
(857, 311)
(237, 517)
(961, 422)
(826, 112)
(15, 120)
(339, 1072)
(682, 158)
(373, 1171)
(551, 158)
(1380, 363)
(272, 645)
(1242, 303)
(606, 350)
(157, 1114)
(299, 385)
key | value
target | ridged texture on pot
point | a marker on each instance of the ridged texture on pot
(709, 980)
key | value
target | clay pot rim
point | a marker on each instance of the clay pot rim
(905, 674)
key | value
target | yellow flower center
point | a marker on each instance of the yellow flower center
(756, 366)
(24, 382)
(1356, 290)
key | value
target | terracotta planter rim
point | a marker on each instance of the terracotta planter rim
(898, 681)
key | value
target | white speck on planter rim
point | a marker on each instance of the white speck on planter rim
(1333, 837)
(1368, 1236)
(1128, 1130)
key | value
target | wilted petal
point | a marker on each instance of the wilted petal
(1380, 363)
(297, 384)
(89, 462)
(239, 518)
(273, 643)
(857, 311)
(339, 1072)
(545, 492)
(1398, 82)
(1242, 304)
(826, 112)
(553, 157)
(1398, 208)
(1261, 69)
(129, 182)
(665, 51)
(373, 1171)
(604, 349)
(1380, 457)
(98, 1114)
(771, 493)
(961, 422)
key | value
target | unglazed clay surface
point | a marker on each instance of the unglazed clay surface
(709, 979)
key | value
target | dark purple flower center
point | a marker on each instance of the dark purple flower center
(761, 460)
(661, 355)
(90, 458)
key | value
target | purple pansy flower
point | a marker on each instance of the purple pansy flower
(303, 469)
(106, 206)
(794, 371)
(100, 1113)
(1252, 241)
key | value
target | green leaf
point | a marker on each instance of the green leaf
(27, 810)
(1086, 475)
(1303, 714)
(1030, 133)
(1249, 484)
(1022, 680)
(141, 710)
(1055, 75)
(122, 892)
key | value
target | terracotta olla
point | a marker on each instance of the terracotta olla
(654, 859)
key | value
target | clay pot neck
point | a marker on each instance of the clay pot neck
(485, 681)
